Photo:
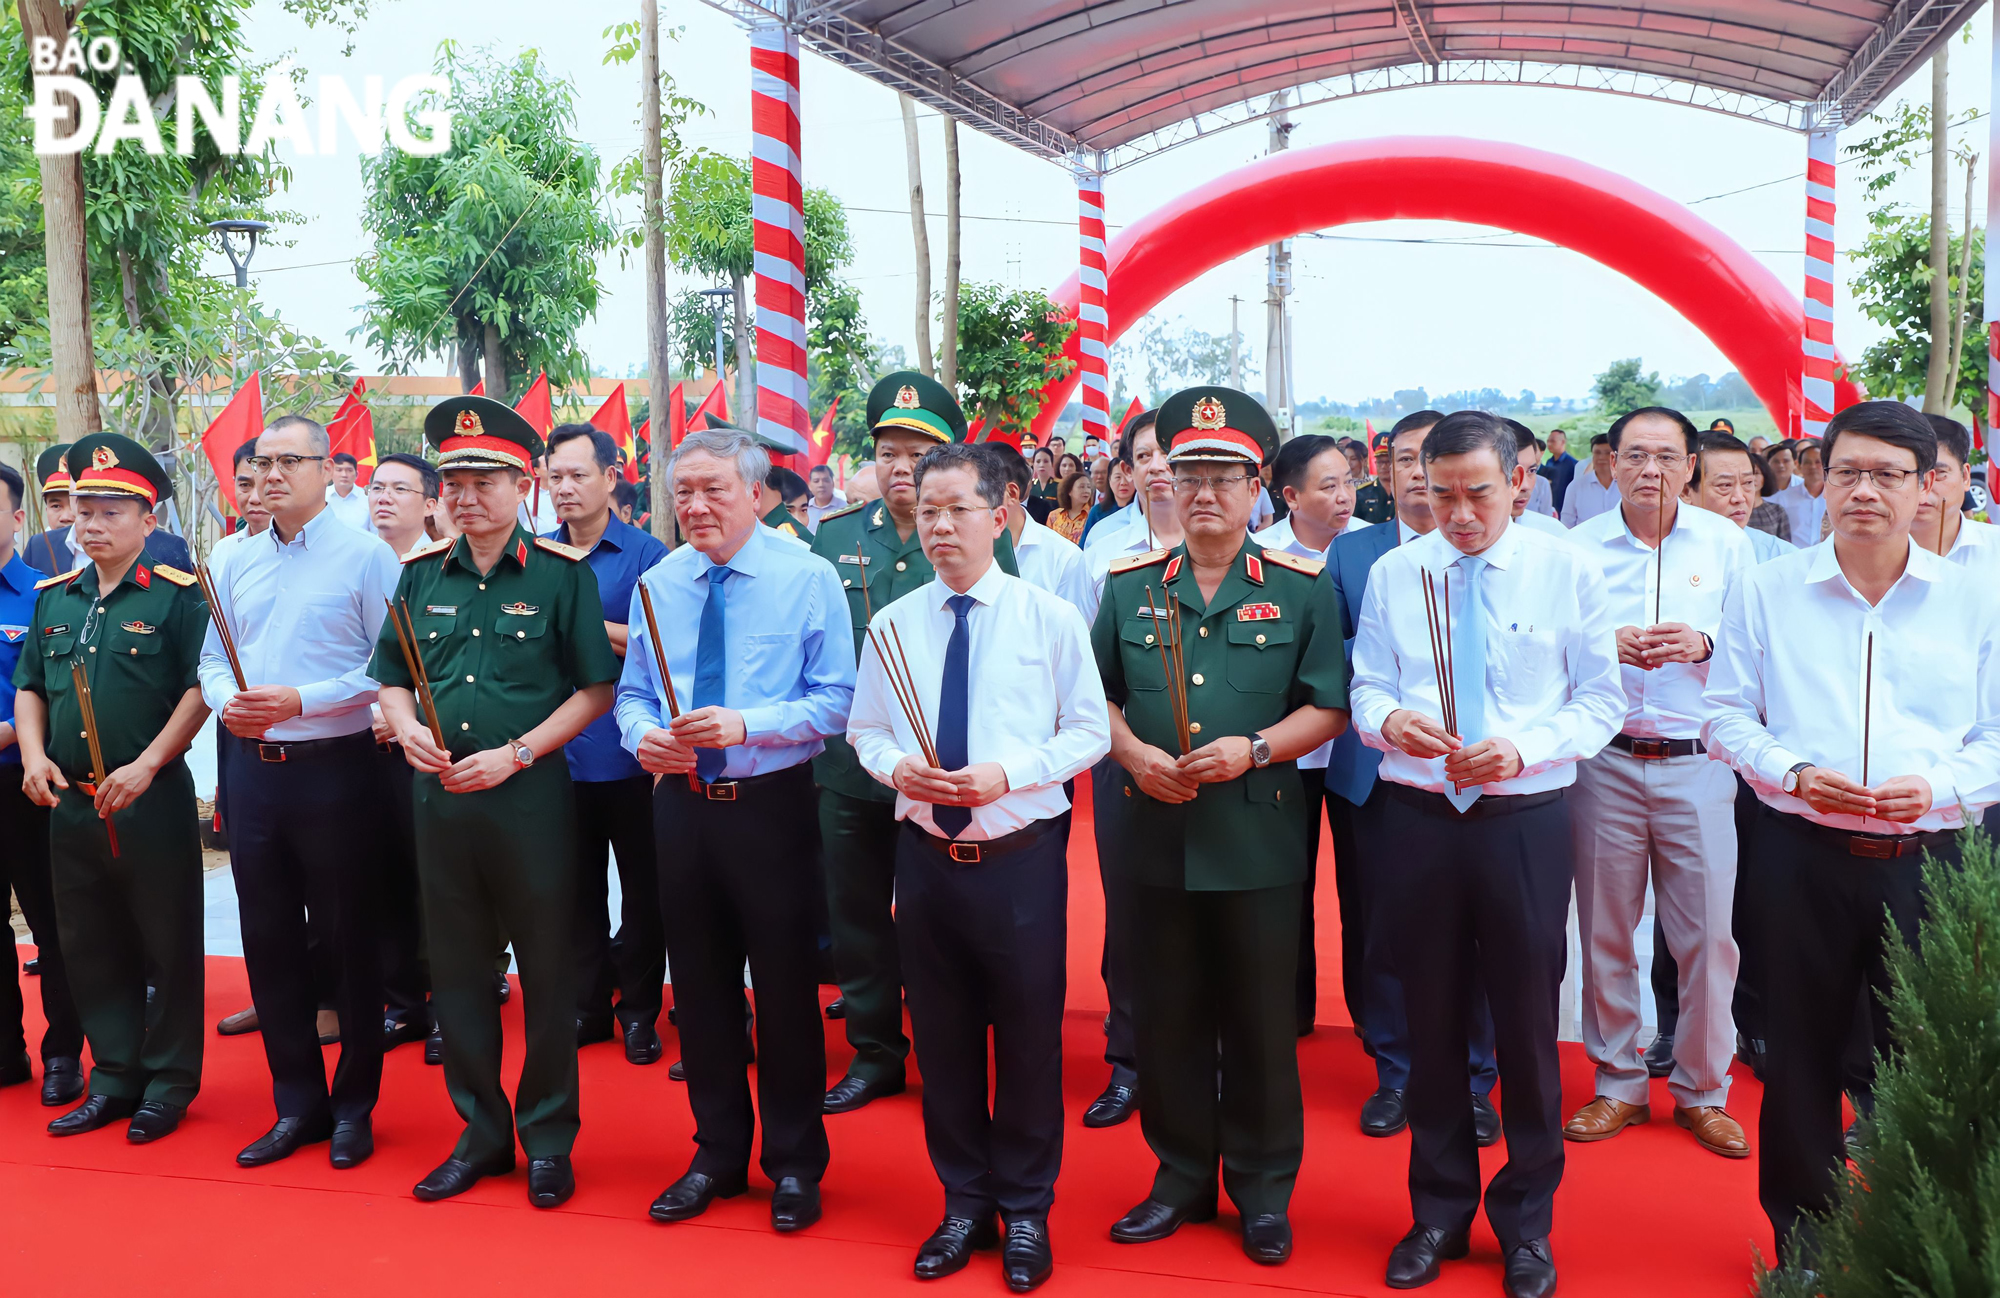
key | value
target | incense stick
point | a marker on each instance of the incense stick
(413, 660)
(1179, 646)
(666, 677)
(80, 681)
(206, 580)
(1660, 554)
(904, 689)
(1161, 634)
(923, 727)
(1450, 656)
(1867, 707)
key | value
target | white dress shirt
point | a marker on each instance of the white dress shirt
(1109, 527)
(1097, 559)
(1585, 499)
(1704, 554)
(304, 614)
(1790, 684)
(1803, 511)
(1551, 656)
(1977, 548)
(1543, 523)
(1541, 498)
(816, 511)
(1766, 546)
(351, 509)
(1051, 561)
(1034, 701)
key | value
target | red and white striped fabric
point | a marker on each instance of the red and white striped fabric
(777, 207)
(1993, 281)
(1816, 376)
(1093, 322)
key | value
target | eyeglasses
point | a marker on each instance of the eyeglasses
(287, 464)
(392, 489)
(1193, 484)
(1669, 461)
(1884, 479)
(960, 515)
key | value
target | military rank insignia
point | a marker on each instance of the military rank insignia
(137, 628)
(521, 610)
(1257, 613)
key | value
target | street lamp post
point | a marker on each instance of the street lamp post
(718, 302)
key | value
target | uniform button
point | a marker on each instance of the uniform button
(900, 565)
(1260, 639)
(93, 648)
(465, 725)
(434, 635)
(848, 582)
(1204, 633)
(1196, 678)
(482, 585)
(1194, 727)
(475, 633)
(135, 653)
(1149, 639)
(520, 635)
(1279, 796)
(468, 680)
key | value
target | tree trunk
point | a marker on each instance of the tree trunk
(496, 363)
(1937, 383)
(919, 233)
(948, 339)
(652, 213)
(1961, 304)
(468, 364)
(75, 356)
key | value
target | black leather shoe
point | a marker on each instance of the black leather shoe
(456, 1176)
(677, 1071)
(1267, 1238)
(1485, 1121)
(97, 1111)
(690, 1196)
(837, 1008)
(1117, 1103)
(591, 1031)
(285, 1138)
(551, 1181)
(1751, 1051)
(1153, 1220)
(1659, 1056)
(62, 1081)
(398, 1032)
(951, 1245)
(1025, 1259)
(17, 1070)
(642, 1044)
(502, 988)
(153, 1120)
(794, 1204)
(1531, 1270)
(32, 968)
(1383, 1113)
(851, 1093)
(434, 1047)
(353, 1143)
(1413, 1263)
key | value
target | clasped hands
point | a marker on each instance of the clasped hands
(41, 777)
(1656, 646)
(669, 750)
(251, 712)
(1164, 778)
(974, 786)
(1903, 800)
(1425, 738)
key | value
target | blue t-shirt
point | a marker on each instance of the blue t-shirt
(619, 556)
(17, 614)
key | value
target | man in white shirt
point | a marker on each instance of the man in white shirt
(1802, 497)
(1594, 489)
(403, 502)
(346, 501)
(1651, 807)
(1855, 688)
(1043, 556)
(1941, 525)
(1726, 482)
(824, 498)
(304, 602)
(1002, 670)
(1525, 511)
(1530, 682)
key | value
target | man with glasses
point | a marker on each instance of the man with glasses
(403, 501)
(1650, 807)
(1868, 750)
(1209, 729)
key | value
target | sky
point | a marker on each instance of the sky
(1371, 314)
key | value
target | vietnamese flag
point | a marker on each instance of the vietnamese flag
(478, 389)
(820, 449)
(642, 444)
(613, 418)
(1137, 407)
(535, 407)
(677, 422)
(353, 432)
(715, 405)
(240, 420)
(1369, 425)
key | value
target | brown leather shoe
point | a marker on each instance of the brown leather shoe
(1603, 1118)
(235, 1025)
(1715, 1129)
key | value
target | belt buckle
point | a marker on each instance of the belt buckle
(265, 751)
(1875, 849)
(964, 853)
(1651, 749)
(720, 791)
(87, 788)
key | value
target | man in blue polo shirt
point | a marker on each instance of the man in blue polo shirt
(614, 797)
(24, 846)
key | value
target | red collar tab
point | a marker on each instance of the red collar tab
(1173, 568)
(1253, 567)
(521, 553)
(142, 575)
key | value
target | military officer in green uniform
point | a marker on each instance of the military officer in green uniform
(1372, 501)
(512, 639)
(1218, 825)
(874, 548)
(124, 852)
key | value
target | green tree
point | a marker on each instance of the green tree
(1625, 387)
(1892, 285)
(488, 253)
(840, 363)
(24, 272)
(1010, 347)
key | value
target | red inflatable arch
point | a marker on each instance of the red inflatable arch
(1693, 267)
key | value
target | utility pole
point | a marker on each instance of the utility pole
(1235, 345)
(1278, 287)
(659, 359)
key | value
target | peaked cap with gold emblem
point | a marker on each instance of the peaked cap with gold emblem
(51, 469)
(115, 466)
(1216, 425)
(907, 401)
(481, 433)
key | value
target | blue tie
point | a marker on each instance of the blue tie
(710, 654)
(952, 709)
(1468, 661)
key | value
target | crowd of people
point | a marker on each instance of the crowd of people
(834, 736)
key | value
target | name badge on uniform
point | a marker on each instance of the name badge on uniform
(13, 633)
(521, 610)
(55, 630)
(137, 628)
(440, 610)
(1257, 613)
(861, 559)
(1147, 610)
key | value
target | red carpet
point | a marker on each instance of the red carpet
(1648, 1212)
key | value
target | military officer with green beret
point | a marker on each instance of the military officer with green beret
(874, 548)
(124, 852)
(1208, 726)
(511, 636)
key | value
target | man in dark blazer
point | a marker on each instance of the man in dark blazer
(1353, 809)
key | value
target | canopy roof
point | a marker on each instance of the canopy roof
(1108, 82)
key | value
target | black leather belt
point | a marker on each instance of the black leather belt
(726, 790)
(963, 853)
(1489, 805)
(1653, 750)
(1873, 847)
(292, 749)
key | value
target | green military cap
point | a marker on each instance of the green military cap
(770, 444)
(51, 471)
(111, 464)
(907, 401)
(481, 433)
(1216, 424)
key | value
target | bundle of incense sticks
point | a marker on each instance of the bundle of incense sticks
(413, 659)
(206, 579)
(660, 657)
(1660, 554)
(1437, 614)
(896, 665)
(1867, 706)
(80, 681)
(1167, 635)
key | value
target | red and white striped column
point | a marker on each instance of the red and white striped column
(777, 208)
(1992, 281)
(1816, 377)
(1093, 321)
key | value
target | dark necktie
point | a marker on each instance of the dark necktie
(710, 656)
(952, 709)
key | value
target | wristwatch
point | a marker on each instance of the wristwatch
(524, 756)
(1260, 751)
(1790, 784)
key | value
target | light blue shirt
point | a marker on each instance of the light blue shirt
(789, 651)
(1767, 546)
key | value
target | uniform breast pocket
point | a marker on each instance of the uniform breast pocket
(1261, 657)
(1143, 669)
(128, 643)
(771, 656)
(58, 646)
(522, 632)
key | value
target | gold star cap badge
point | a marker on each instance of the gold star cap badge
(906, 397)
(103, 458)
(1209, 413)
(468, 424)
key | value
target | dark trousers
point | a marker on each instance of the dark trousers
(859, 840)
(24, 865)
(737, 883)
(1353, 915)
(293, 849)
(984, 945)
(1220, 967)
(616, 816)
(1485, 896)
(406, 975)
(1820, 917)
(1109, 807)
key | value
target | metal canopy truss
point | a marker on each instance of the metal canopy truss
(1903, 43)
